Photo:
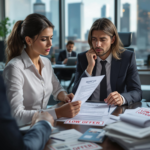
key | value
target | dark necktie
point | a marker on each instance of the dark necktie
(103, 84)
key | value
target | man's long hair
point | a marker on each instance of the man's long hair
(109, 28)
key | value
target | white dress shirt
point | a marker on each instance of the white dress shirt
(27, 90)
(68, 54)
(96, 93)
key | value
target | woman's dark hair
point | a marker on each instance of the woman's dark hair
(33, 25)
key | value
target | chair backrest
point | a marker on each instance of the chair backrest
(126, 38)
(57, 51)
(56, 56)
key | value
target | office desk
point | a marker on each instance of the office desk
(107, 144)
(63, 67)
(143, 68)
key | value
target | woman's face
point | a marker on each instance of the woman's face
(42, 43)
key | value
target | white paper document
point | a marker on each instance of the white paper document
(139, 116)
(91, 114)
(95, 109)
(71, 142)
(128, 129)
(86, 87)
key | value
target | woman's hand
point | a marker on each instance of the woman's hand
(63, 96)
(68, 97)
(68, 110)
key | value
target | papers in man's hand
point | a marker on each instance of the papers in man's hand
(71, 141)
(86, 87)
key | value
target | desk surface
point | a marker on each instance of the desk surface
(107, 144)
(63, 67)
(140, 68)
(143, 68)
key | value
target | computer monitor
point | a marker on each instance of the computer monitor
(71, 61)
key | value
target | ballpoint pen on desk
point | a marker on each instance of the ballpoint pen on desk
(109, 108)
(147, 105)
(57, 139)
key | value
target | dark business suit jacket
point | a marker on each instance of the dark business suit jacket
(62, 55)
(124, 76)
(11, 138)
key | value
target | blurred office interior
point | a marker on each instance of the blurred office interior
(73, 18)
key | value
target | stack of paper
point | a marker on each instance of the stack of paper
(132, 132)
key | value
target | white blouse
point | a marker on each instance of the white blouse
(27, 90)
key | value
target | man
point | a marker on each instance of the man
(63, 58)
(121, 84)
(11, 138)
(64, 54)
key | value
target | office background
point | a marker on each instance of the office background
(73, 18)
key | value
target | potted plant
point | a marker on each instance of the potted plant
(4, 30)
(53, 58)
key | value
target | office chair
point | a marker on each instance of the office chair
(126, 38)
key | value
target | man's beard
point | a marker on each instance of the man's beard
(100, 54)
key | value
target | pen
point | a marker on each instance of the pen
(109, 108)
(57, 139)
(101, 134)
(147, 105)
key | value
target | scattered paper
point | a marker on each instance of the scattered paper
(92, 112)
(71, 141)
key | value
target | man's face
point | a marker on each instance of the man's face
(101, 43)
(70, 47)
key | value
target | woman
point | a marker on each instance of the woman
(29, 77)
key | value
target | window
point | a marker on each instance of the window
(135, 18)
(19, 9)
(80, 14)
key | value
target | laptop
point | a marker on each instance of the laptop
(71, 61)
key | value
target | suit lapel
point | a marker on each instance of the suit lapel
(72, 54)
(65, 54)
(115, 68)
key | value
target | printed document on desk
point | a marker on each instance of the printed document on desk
(93, 111)
(71, 142)
(91, 114)
(86, 87)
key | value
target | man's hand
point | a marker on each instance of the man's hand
(65, 61)
(68, 110)
(38, 116)
(91, 57)
(68, 97)
(114, 98)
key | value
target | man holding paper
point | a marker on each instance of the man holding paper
(121, 84)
